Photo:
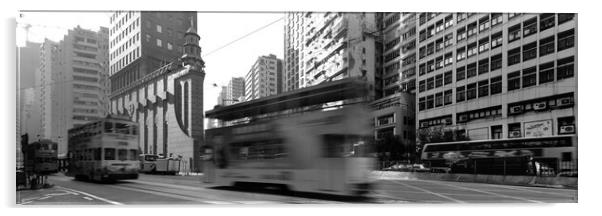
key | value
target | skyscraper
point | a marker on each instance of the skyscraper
(264, 78)
(236, 89)
(72, 82)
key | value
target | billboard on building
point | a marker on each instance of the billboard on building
(538, 128)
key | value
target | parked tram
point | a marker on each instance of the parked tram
(104, 150)
(324, 150)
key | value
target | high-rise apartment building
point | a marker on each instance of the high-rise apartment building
(264, 78)
(235, 91)
(494, 75)
(29, 106)
(73, 82)
(141, 42)
(321, 47)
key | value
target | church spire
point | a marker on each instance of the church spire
(192, 50)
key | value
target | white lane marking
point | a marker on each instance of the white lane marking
(174, 196)
(485, 192)
(24, 203)
(518, 188)
(93, 196)
(428, 191)
(88, 198)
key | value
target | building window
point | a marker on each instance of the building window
(514, 130)
(565, 67)
(546, 72)
(471, 91)
(421, 103)
(472, 49)
(422, 36)
(169, 46)
(495, 85)
(514, 33)
(447, 97)
(447, 78)
(471, 29)
(461, 34)
(148, 38)
(449, 21)
(460, 94)
(430, 101)
(460, 73)
(430, 66)
(430, 83)
(566, 39)
(566, 125)
(496, 18)
(496, 62)
(449, 59)
(471, 70)
(565, 17)
(439, 26)
(512, 15)
(484, 23)
(438, 80)
(513, 80)
(529, 77)
(530, 51)
(439, 99)
(546, 21)
(439, 63)
(422, 86)
(546, 46)
(422, 52)
(483, 88)
(514, 56)
(448, 39)
(530, 27)
(159, 43)
(496, 40)
(430, 48)
(496, 132)
(460, 54)
(460, 17)
(159, 29)
(430, 31)
(484, 44)
(483, 66)
(422, 69)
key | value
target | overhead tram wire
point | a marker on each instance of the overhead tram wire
(242, 37)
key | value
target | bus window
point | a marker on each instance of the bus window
(108, 127)
(109, 154)
(122, 154)
(97, 153)
(122, 128)
(133, 154)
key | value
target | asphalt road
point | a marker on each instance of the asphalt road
(188, 190)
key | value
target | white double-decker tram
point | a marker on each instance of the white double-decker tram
(295, 140)
(104, 150)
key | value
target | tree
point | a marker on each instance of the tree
(439, 134)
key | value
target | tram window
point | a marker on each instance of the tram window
(122, 154)
(567, 156)
(108, 127)
(109, 154)
(97, 153)
(336, 145)
(133, 154)
(122, 128)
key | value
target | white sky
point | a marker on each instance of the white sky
(215, 29)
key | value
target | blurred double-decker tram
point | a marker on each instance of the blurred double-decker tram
(316, 139)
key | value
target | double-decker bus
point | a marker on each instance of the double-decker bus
(503, 156)
(292, 141)
(104, 150)
(41, 157)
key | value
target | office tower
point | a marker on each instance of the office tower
(263, 79)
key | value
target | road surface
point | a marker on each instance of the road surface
(182, 190)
